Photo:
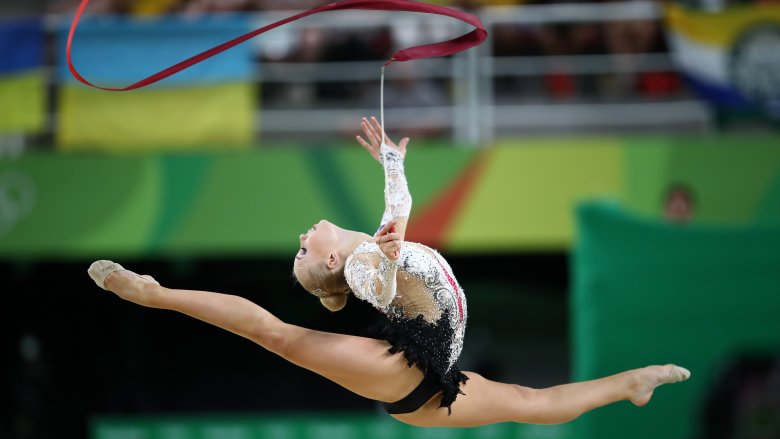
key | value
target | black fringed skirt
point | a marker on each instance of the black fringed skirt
(426, 346)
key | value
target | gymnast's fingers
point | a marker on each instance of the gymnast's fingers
(363, 143)
(370, 133)
(385, 229)
(367, 147)
(378, 130)
(389, 244)
(382, 240)
(392, 251)
(402, 144)
(390, 237)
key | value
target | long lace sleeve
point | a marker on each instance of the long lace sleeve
(370, 274)
(398, 200)
(376, 284)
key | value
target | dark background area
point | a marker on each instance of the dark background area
(70, 349)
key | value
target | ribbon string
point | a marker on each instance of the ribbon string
(466, 41)
(382, 103)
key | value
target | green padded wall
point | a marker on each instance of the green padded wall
(647, 292)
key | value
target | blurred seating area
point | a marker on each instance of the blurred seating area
(542, 70)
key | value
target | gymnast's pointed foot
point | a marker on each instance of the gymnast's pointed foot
(124, 283)
(648, 378)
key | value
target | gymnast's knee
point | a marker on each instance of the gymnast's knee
(538, 406)
(272, 335)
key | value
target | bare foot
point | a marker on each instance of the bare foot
(124, 283)
(648, 378)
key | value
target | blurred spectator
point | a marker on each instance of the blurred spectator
(305, 46)
(216, 6)
(362, 45)
(288, 5)
(139, 7)
(551, 40)
(679, 203)
(562, 81)
(637, 37)
(310, 46)
(22, 8)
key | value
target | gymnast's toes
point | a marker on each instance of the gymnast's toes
(677, 374)
(648, 379)
(99, 271)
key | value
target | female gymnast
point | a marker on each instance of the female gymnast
(412, 363)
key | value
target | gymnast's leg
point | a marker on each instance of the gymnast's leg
(364, 366)
(361, 365)
(487, 402)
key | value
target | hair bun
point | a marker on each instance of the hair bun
(334, 302)
(319, 292)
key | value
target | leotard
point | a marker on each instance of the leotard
(424, 305)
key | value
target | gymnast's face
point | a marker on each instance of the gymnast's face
(317, 244)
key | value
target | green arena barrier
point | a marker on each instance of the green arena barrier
(647, 292)
(336, 425)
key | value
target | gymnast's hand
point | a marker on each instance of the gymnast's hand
(389, 241)
(373, 131)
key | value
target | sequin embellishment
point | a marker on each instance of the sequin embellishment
(421, 267)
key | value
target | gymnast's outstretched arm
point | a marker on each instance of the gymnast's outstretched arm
(398, 200)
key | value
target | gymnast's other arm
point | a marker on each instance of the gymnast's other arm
(375, 281)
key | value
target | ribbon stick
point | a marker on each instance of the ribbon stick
(466, 41)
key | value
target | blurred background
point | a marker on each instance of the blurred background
(604, 178)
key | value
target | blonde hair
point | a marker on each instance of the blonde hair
(331, 287)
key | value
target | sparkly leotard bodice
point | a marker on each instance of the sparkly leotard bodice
(419, 283)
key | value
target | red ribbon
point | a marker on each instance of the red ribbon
(471, 39)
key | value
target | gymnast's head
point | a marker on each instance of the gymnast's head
(319, 264)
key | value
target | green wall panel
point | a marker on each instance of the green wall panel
(646, 292)
(522, 198)
(527, 190)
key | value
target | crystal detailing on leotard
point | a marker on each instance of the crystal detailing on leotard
(419, 283)
(423, 288)
(374, 284)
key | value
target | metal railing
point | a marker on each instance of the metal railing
(474, 113)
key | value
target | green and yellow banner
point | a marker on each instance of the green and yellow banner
(518, 195)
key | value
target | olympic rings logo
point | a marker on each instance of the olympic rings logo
(18, 195)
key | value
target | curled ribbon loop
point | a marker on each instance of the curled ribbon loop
(466, 41)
